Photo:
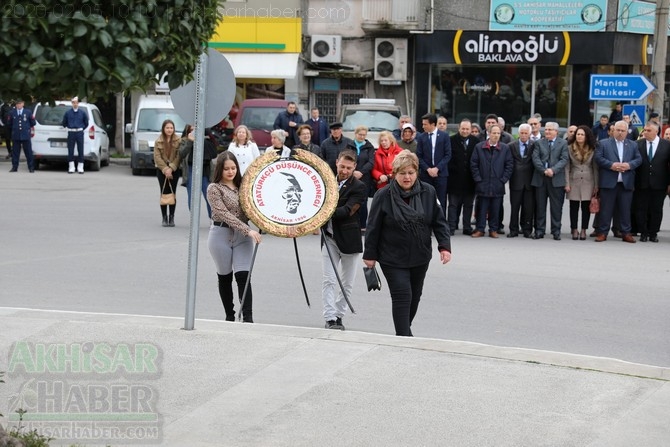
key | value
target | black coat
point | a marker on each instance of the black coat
(460, 175)
(522, 174)
(345, 220)
(387, 243)
(491, 168)
(654, 175)
(330, 149)
(365, 162)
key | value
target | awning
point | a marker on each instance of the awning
(263, 65)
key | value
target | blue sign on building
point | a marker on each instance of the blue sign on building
(619, 87)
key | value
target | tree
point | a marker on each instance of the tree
(53, 49)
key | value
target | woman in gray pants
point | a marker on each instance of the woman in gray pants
(230, 239)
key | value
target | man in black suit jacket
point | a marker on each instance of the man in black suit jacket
(652, 182)
(521, 192)
(341, 242)
(461, 191)
(617, 158)
(433, 148)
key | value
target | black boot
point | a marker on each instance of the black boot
(226, 294)
(165, 221)
(171, 221)
(241, 279)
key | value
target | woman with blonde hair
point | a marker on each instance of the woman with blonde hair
(403, 217)
(581, 178)
(166, 159)
(382, 168)
(243, 147)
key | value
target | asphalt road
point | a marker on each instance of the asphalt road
(94, 243)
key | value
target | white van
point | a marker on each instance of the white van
(152, 110)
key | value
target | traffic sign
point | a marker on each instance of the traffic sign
(619, 87)
(636, 113)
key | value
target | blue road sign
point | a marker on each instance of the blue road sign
(636, 113)
(619, 87)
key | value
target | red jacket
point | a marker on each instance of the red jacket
(384, 163)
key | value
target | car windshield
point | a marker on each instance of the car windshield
(260, 117)
(151, 120)
(51, 116)
(375, 120)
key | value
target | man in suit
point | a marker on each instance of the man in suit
(652, 182)
(550, 156)
(289, 120)
(521, 192)
(617, 158)
(341, 242)
(461, 192)
(21, 121)
(319, 127)
(535, 131)
(433, 148)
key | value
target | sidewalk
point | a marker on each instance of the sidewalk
(234, 384)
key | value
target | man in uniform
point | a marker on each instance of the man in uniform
(75, 121)
(21, 122)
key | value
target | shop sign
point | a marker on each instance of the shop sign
(552, 15)
(481, 47)
(637, 17)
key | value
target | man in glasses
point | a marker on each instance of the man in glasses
(535, 133)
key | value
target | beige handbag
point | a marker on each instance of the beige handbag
(168, 199)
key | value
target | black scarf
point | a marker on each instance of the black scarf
(409, 216)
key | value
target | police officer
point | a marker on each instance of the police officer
(21, 121)
(75, 121)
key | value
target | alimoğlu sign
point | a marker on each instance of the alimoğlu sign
(289, 197)
(477, 47)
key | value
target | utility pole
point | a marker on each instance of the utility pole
(660, 50)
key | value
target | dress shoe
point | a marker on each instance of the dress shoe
(501, 231)
(628, 238)
(653, 238)
(467, 231)
(538, 236)
(644, 238)
(513, 234)
(601, 238)
(477, 234)
(575, 235)
(557, 237)
(451, 232)
(527, 235)
(493, 234)
(13, 170)
(594, 234)
(617, 233)
(582, 235)
(32, 171)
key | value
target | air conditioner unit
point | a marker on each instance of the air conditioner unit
(326, 48)
(390, 59)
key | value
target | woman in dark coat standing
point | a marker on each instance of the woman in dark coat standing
(365, 152)
(403, 215)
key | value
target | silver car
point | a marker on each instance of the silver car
(50, 140)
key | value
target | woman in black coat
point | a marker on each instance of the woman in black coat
(403, 215)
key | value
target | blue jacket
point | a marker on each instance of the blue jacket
(607, 154)
(491, 168)
(21, 124)
(424, 151)
(75, 120)
(282, 120)
(322, 131)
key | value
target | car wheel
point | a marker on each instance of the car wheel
(95, 165)
(105, 162)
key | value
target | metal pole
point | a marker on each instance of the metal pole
(660, 49)
(196, 182)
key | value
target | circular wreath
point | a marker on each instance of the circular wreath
(252, 183)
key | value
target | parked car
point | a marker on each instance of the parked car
(259, 116)
(145, 129)
(50, 140)
(376, 114)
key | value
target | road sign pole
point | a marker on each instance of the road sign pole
(196, 182)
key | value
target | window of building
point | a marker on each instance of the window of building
(330, 94)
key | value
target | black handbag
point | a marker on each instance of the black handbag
(372, 278)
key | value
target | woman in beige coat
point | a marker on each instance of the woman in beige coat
(581, 178)
(166, 159)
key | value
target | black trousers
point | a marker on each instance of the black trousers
(456, 203)
(406, 286)
(165, 189)
(522, 202)
(575, 205)
(648, 211)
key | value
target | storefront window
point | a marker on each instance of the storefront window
(475, 91)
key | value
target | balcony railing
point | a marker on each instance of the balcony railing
(398, 14)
